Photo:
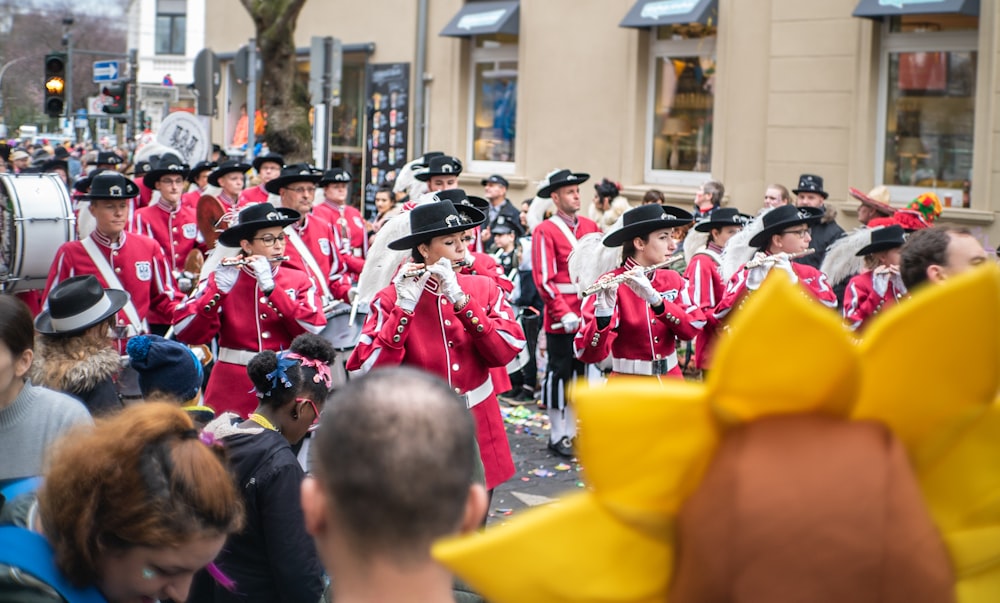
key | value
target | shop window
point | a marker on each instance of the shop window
(682, 98)
(928, 79)
(171, 26)
(493, 104)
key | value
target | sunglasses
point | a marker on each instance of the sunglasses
(310, 403)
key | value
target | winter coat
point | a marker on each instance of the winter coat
(605, 218)
(79, 367)
(823, 235)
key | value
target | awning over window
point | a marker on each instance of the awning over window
(478, 18)
(653, 13)
(876, 9)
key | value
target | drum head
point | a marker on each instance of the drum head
(7, 222)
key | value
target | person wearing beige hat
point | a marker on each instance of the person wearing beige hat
(19, 161)
(873, 205)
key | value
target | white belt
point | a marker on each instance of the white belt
(567, 288)
(644, 367)
(478, 394)
(236, 356)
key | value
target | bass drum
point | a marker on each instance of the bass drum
(36, 217)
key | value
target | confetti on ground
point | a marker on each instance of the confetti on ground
(525, 479)
(542, 473)
(525, 418)
(562, 467)
(505, 511)
(579, 484)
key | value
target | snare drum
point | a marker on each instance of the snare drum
(36, 217)
(339, 332)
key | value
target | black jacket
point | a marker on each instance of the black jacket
(511, 216)
(273, 558)
(823, 235)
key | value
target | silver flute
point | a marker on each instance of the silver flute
(237, 260)
(462, 263)
(624, 276)
(771, 259)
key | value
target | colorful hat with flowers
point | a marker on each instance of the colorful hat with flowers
(928, 205)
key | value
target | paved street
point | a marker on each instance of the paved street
(541, 475)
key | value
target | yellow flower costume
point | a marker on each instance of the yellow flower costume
(646, 446)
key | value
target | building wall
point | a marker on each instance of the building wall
(797, 91)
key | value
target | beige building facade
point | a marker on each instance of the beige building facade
(749, 92)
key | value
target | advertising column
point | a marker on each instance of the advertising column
(386, 135)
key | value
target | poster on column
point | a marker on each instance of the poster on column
(387, 102)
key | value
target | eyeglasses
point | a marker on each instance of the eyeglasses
(303, 190)
(270, 240)
(311, 403)
(802, 233)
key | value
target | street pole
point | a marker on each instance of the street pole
(68, 42)
(3, 70)
(133, 64)
(251, 97)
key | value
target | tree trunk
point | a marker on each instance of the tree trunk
(283, 98)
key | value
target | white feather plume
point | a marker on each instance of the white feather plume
(694, 241)
(591, 259)
(382, 263)
(85, 221)
(840, 262)
(738, 250)
(537, 210)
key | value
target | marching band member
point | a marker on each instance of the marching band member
(216, 213)
(253, 306)
(553, 241)
(638, 324)
(268, 167)
(784, 236)
(128, 262)
(880, 285)
(452, 325)
(346, 220)
(705, 282)
(198, 177)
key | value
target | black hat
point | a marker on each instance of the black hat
(425, 159)
(296, 172)
(107, 158)
(782, 217)
(888, 237)
(56, 164)
(254, 218)
(436, 219)
(109, 184)
(458, 197)
(201, 166)
(142, 167)
(810, 183)
(495, 179)
(269, 158)
(645, 219)
(226, 167)
(78, 303)
(168, 164)
(333, 176)
(559, 179)
(82, 184)
(503, 225)
(722, 217)
(60, 152)
(440, 166)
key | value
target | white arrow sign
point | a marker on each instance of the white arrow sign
(105, 71)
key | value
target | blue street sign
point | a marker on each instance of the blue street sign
(105, 71)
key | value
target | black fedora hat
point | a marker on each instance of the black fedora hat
(296, 172)
(782, 217)
(503, 225)
(107, 158)
(78, 303)
(459, 197)
(495, 179)
(167, 165)
(425, 159)
(722, 217)
(82, 184)
(436, 219)
(887, 237)
(559, 179)
(56, 164)
(268, 158)
(227, 167)
(109, 184)
(256, 217)
(645, 219)
(198, 168)
(811, 183)
(334, 175)
(443, 165)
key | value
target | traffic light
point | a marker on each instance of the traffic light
(117, 100)
(55, 84)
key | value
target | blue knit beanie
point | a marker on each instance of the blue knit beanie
(166, 366)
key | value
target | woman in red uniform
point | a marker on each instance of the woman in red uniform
(638, 323)
(256, 306)
(881, 285)
(453, 325)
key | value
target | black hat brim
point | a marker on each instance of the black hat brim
(708, 225)
(324, 181)
(763, 236)
(131, 192)
(259, 161)
(877, 247)
(274, 186)
(412, 240)
(43, 323)
(152, 177)
(232, 236)
(213, 178)
(618, 237)
(578, 179)
(823, 194)
(425, 176)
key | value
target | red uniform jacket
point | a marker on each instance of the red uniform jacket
(251, 196)
(459, 347)
(485, 265)
(636, 331)
(706, 288)
(550, 255)
(247, 322)
(861, 302)
(317, 236)
(341, 217)
(812, 279)
(190, 198)
(177, 234)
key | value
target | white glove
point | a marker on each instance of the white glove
(605, 300)
(408, 288)
(570, 322)
(225, 277)
(262, 269)
(882, 276)
(782, 263)
(880, 282)
(756, 276)
(897, 284)
(639, 283)
(450, 288)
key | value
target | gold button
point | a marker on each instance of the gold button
(399, 329)
(174, 229)
(454, 367)
(404, 320)
(265, 335)
(118, 269)
(458, 391)
(451, 344)
(263, 299)
(262, 315)
(208, 308)
(656, 340)
(444, 301)
(447, 323)
(593, 344)
(395, 338)
(475, 320)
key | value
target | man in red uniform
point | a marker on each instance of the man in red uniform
(254, 306)
(126, 261)
(346, 220)
(215, 214)
(171, 225)
(198, 177)
(268, 167)
(553, 241)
